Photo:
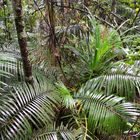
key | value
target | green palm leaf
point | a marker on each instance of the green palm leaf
(123, 85)
(66, 95)
(122, 80)
(100, 109)
(62, 132)
(26, 108)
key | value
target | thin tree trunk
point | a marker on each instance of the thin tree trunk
(52, 40)
(22, 39)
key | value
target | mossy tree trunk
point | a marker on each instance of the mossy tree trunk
(22, 39)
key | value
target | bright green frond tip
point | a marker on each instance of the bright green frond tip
(65, 94)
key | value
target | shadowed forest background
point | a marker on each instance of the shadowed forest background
(69, 69)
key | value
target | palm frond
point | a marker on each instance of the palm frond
(66, 95)
(122, 80)
(69, 113)
(62, 132)
(102, 109)
(123, 85)
(25, 109)
(11, 69)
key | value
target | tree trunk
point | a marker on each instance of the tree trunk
(22, 39)
(50, 13)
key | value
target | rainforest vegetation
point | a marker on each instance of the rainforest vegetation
(69, 69)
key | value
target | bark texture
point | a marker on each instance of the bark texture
(22, 39)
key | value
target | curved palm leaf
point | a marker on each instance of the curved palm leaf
(62, 132)
(122, 80)
(26, 108)
(101, 109)
(124, 85)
